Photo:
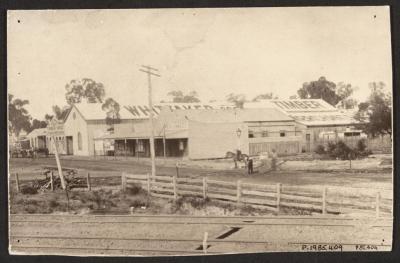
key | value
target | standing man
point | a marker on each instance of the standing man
(250, 166)
(274, 160)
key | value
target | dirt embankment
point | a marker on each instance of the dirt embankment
(133, 201)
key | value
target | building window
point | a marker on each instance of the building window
(140, 146)
(74, 116)
(264, 133)
(79, 141)
(282, 134)
(251, 134)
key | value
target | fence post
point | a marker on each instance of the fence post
(377, 205)
(204, 188)
(205, 245)
(278, 196)
(174, 185)
(239, 190)
(148, 183)
(324, 192)
(17, 181)
(89, 186)
(123, 181)
(51, 181)
(177, 169)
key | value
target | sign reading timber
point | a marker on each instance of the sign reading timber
(303, 105)
(143, 111)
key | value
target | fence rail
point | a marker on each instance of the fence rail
(268, 196)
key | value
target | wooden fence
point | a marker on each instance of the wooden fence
(266, 196)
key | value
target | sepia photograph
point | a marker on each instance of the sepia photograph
(199, 131)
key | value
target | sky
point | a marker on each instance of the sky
(212, 51)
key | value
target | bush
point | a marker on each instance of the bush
(53, 203)
(134, 189)
(344, 152)
(28, 190)
(139, 202)
(361, 146)
(341, 151)
(320, 149)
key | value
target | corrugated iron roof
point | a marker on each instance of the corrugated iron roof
(93, 111)
(309, 112)
(37, 132)
(228, 115)
(324, 118)
(299, 105)
(145, 134)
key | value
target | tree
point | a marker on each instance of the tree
(376, 112)
(265, 96)
(326, 90)
(18, 116)
(48, 117)
(237, 99)
(112, 108)
(60, 113)
(179, 97)
(85, 88)
(37, 124)
(344, 92)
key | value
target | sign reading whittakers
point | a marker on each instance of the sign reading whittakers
(143, 111)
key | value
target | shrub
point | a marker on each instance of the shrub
(197, 202)
(320, 149)
(53, 203)
(138, 202)
(341, 151)
(30, 209)
(361, 146)
(134, 189)
(331, 147)
(28, 190)
(344, 152)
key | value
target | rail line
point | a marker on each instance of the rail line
(183, 235)
(200, 220)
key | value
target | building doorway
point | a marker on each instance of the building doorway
(70, 145)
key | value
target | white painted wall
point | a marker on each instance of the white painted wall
(213, 140)
(71, 128)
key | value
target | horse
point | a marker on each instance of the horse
(236, 157)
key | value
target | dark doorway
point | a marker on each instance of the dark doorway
(70, 145)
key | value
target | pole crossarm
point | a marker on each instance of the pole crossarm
(149, 70)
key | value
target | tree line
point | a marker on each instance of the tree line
(375, 112)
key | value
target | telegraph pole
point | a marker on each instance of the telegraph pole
(151, 72)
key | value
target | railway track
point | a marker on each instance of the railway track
(181, 235)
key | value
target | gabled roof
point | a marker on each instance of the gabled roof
(93, 111)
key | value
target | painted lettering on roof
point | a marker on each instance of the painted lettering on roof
(302, 105)
(143, 111)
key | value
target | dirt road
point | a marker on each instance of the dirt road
(181, 235)
(376, 179)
